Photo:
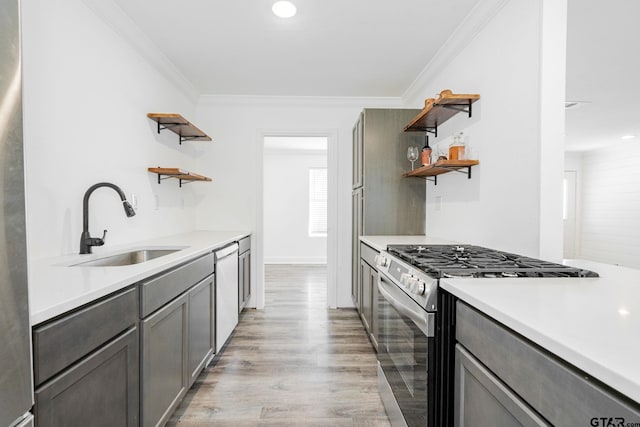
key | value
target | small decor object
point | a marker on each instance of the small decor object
(426, 152)
(412, 155)
(457, 148)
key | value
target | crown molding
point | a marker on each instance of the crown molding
(114, 17)
(468, 29)
(301, 101)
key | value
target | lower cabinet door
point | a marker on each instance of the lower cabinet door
(365, 295)
(100, 390)
(481, 399)
(164, 361)
(373, 333)
(201, 326)
(246, 282)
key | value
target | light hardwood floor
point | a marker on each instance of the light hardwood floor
(295, 363)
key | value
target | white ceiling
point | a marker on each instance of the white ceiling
(330, 48)
(375, 48)
(603, 67)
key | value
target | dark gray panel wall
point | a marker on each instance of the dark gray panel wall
(392, 204)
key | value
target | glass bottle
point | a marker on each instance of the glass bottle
(425, 156)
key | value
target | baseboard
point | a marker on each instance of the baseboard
(301, 260)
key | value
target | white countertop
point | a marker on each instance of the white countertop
(592, 323)
(380, 242)
(55, 287)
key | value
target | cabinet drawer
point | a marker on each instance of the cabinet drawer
(100, 390)
(557, 390)
(368, 254)
(61, 342)
(483, 400)
(162, 289)
(244, 244)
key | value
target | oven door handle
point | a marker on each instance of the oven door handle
(424, 321)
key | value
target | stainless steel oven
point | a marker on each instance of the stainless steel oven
(406, 346)
(416, 322)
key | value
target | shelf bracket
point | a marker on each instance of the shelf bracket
(163, 126)
(160, 178)
(188, 138)
(185, 182)
(464, 108)
(461, 170)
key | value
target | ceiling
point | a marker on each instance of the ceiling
(330, 48)
(603, 68)
(371, 48)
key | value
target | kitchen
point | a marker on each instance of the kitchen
(118, 76)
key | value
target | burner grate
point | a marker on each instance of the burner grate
(476, 261)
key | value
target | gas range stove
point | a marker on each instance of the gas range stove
(441, 261)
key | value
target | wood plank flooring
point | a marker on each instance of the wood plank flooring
(295, 363)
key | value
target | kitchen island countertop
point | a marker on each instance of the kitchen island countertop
(57, 286)
(592, 323)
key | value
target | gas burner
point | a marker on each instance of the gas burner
(476, 261)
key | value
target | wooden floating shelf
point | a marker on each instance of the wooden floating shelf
(437, 111)
(440, 167)
(179, 174)
(177, 124)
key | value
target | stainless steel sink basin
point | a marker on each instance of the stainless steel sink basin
(127, 258)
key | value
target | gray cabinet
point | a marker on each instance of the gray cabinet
(100, 390)
(86, 365)
(201, 326)
(177, 335)
(358, 152)
(128, 358)
(244, 272)
(164, 361)
(365, 292)
(481, 399)
(547, 387)
(383, 202)
(356, 207)
(368, 291)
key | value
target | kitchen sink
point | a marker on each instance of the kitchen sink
(127, 258)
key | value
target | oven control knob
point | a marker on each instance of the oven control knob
(405, 279)
(381, 261)
(418, 287)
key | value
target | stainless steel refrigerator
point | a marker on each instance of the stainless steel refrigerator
(16, 396)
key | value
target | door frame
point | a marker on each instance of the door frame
(332, 209)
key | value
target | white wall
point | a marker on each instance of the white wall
(610, 208)
(86, 96)
(500, 206)
(286, 208)
(234, 160)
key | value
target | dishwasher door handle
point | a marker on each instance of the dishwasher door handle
(225, 252)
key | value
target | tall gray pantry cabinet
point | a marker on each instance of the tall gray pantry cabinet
(383, 202)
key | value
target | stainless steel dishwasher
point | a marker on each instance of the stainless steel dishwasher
(226, 293)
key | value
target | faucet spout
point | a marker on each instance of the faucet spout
(86, 241)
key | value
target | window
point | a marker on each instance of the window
(317, 202)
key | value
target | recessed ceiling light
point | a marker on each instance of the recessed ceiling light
(627, 137)
(284, 9)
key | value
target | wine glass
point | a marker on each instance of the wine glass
(412, 154)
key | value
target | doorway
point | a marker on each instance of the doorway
(297, 206)
(295, 200)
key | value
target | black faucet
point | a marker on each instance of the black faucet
(86, 241)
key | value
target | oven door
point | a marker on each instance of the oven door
(406, 356)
